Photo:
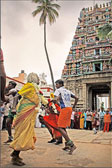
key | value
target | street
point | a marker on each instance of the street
(93, 150)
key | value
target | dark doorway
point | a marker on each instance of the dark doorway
(95, 90)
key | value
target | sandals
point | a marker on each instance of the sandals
(17, 161)
(69, 146)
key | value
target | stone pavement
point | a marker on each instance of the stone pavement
(92, 150)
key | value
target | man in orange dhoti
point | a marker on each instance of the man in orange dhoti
(64, 97)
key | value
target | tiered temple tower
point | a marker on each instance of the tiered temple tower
(88, 67)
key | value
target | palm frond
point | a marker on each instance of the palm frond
(38, 1)
(51, 17)
(38, 10)
(42, 18)
(53, 11)
(55, 6)
(104, 30)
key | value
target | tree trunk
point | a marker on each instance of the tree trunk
(52, 78)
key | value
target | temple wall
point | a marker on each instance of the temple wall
(81, 87)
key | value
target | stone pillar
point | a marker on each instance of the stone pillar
(84, 96)
(87, 96)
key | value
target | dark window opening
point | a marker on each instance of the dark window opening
(97, 51)
(97, 67)
(96, 17)
(97, 38)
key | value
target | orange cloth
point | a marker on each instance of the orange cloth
(51, 121)
(64, 119)
(79, 113)
(106, 127)
(107, 118)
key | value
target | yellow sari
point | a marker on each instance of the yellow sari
(27, 109)
(82, 121)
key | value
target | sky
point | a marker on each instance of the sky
(23, 38)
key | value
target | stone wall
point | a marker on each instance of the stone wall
(81, 86)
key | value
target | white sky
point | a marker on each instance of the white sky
(22, 36)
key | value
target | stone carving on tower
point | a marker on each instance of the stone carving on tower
(89, 55)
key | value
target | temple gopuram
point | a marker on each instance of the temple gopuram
(88, 67)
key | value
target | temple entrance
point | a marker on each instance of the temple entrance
(102, 99)
(97, 94)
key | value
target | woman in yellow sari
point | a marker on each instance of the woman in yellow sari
(27, 109)
(82, 120)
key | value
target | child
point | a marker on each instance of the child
(95, 121)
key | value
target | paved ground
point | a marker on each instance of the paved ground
(92, 151)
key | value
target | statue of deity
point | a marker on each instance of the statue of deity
(81, 68)
(91, 67)
(42, 79)
(104, 66)
(73, 66)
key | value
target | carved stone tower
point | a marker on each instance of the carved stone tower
(88, 67)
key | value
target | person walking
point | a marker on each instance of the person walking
(27, 108)
(63, 96)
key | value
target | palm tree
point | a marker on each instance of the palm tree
(48, 10)
(105, 31)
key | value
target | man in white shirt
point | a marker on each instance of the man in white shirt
(64, 97)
